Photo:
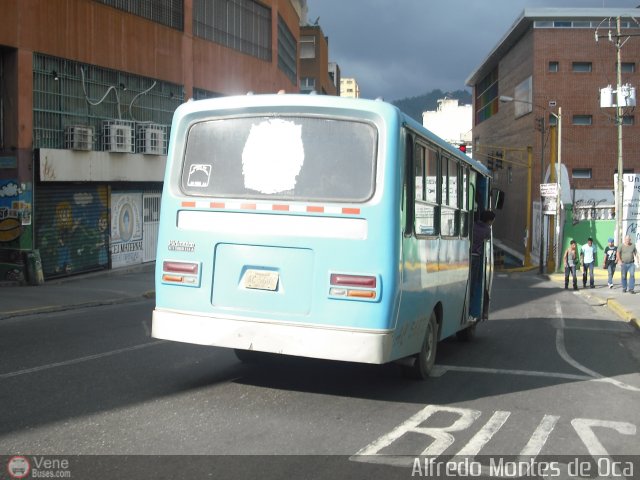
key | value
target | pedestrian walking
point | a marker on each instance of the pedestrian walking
(627, 258)
(570, 265)
(588, 260)
(609, 264)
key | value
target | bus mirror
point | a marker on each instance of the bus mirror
(498, 198)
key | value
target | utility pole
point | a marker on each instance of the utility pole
(540, 122)
(621, 101)
(559, 204)
(620, 197)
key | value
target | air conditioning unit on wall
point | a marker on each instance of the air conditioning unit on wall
(151, 139)
(117, 137)
(154, 141)
(78, 137)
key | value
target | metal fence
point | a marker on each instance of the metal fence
(68, 93)
(165, 12)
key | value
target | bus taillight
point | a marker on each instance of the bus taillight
(181, 273)
(180, 267)
(364, 286)
(339, 279)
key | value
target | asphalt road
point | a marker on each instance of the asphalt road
(549, 376)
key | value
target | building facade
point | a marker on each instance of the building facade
(315, 72)
(544, 78)
(451, 122)
(87, 94)
(349, 88)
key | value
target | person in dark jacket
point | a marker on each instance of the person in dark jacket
(481, 233)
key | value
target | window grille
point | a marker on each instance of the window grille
(165, 12)
(59, 100)
(201, 94)
(243, 25)
(287, 51)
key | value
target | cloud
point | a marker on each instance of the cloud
(403, 49)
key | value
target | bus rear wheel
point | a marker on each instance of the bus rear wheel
(426, 358)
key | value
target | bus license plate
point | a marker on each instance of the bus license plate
(261, 280)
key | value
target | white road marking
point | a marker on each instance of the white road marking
(507, 371)
(540, 436)
(562, 351)
(75, 361)
(442, 437)
(439, 439)
(584, 429)
(485, 434)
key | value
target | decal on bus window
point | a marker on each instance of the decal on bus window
(273, 156)
(199, 175)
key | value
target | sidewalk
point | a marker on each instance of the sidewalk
(625, 305)
(91, 289)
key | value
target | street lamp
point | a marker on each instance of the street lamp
(558, 117)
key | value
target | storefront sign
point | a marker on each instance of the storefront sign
(126, 229)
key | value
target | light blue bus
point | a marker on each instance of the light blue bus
(316, 226)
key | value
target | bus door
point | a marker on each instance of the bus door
(481, 271)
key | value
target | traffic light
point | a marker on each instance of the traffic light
(462, 147)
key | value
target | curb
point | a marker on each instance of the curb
(622, 312)
(77, 306)
(515, 269)
(616, 308)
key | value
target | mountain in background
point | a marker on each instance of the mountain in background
(414, 106)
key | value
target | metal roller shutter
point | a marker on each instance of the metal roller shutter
(72, 228)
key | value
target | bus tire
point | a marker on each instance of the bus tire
(426, 358)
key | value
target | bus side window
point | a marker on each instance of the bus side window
(449, 216)
(426, 202)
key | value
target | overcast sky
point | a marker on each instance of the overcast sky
(404, 48)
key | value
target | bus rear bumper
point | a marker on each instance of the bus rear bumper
(363, 346)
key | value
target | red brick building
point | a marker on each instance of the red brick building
(547, 62)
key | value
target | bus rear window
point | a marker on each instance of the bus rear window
(281, 157)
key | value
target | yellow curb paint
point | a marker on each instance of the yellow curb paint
(620, 311)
